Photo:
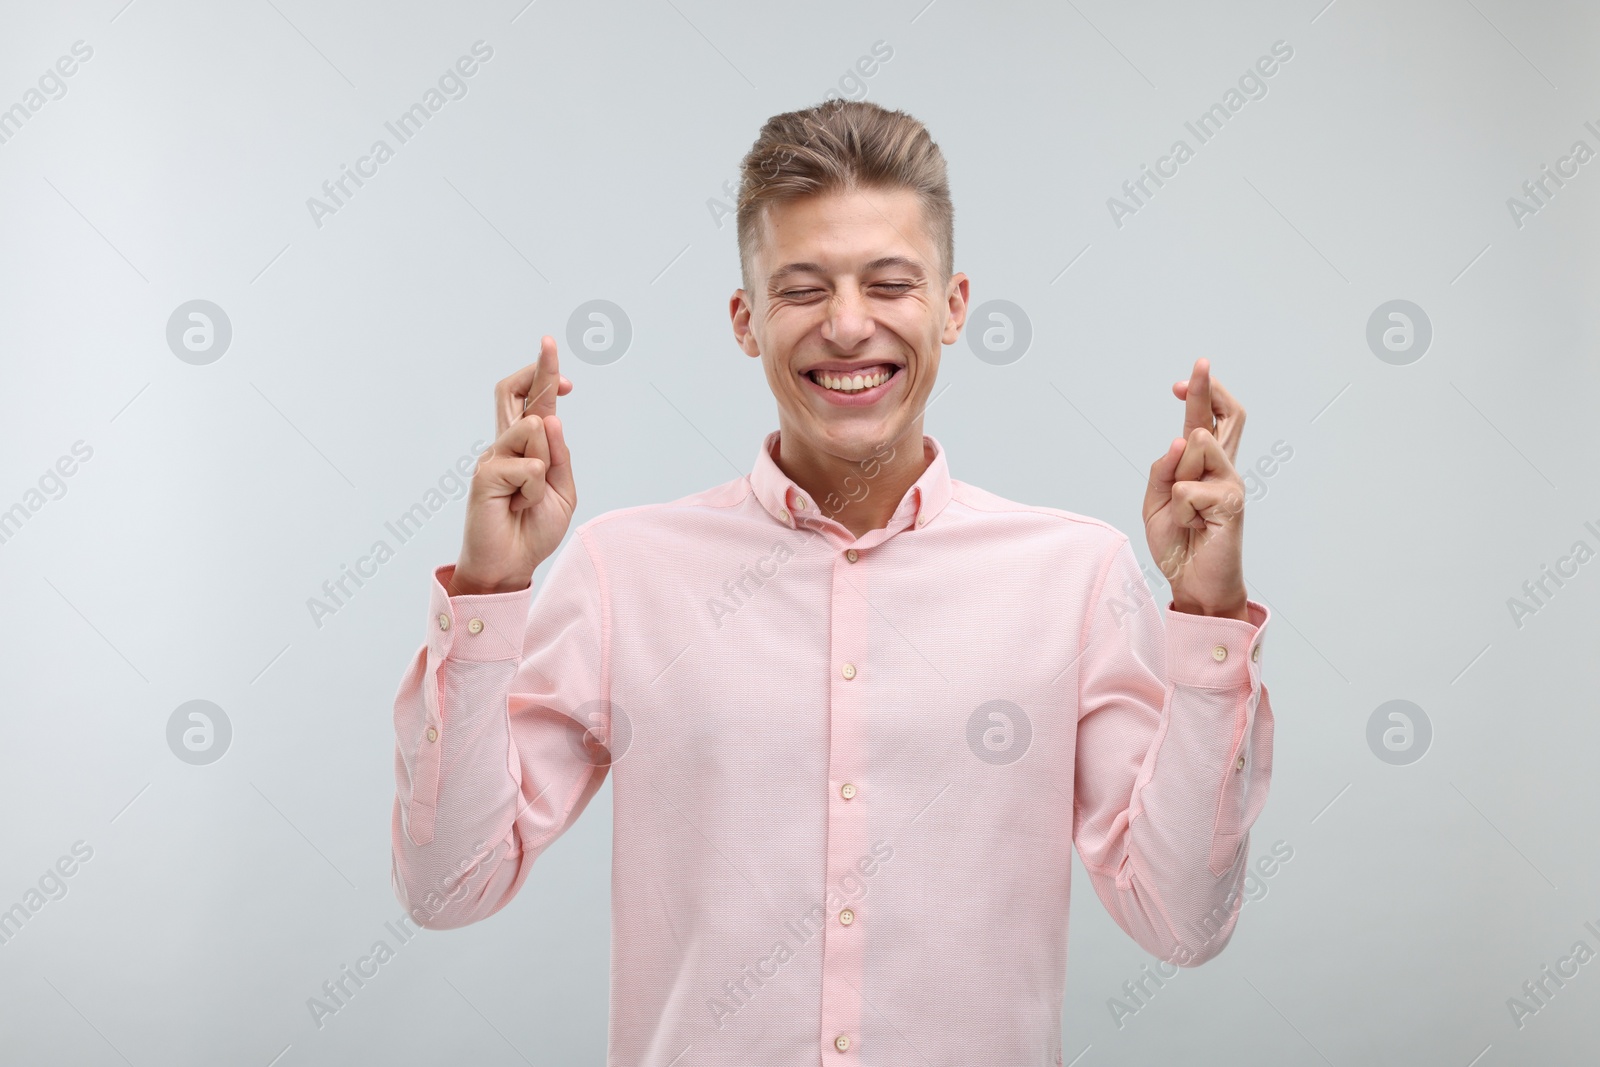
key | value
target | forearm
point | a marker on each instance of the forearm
(1174, 763)
(493, 759)
(456, 787)
(1184, 855)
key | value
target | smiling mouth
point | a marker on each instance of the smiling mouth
(853, 383)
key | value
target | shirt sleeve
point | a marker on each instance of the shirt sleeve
(498, 738)
(1174, 758)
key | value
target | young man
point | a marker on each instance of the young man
(856, 712)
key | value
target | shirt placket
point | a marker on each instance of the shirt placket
(849, 794)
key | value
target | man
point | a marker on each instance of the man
(857, 711)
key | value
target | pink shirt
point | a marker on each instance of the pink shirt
(847, 773)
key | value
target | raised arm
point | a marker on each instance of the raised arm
(495, 718)
(1174, 759)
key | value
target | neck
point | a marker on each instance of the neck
(861, 492)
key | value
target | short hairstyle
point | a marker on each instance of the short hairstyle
(843, 145)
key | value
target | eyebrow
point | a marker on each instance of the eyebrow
(880, 263)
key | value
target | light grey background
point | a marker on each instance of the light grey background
(580, 165)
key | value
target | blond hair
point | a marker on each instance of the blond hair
(843, 145)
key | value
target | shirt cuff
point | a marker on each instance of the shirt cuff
(483, 627)
(1211, 652)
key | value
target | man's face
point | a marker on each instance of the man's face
(845, 283)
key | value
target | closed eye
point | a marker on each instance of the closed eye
(895, 288)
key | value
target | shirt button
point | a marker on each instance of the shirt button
(847, 917)
(847, 790)
(476, 626)
(444, 621)
(849, 671)
(433, 735)
(1239, 765)
(921, 519)
(849, 555)
(1255, 653)
(842, 1043)
(800, 500)
(788, 519)
(1219, 653)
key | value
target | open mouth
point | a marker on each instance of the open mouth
(854, 384)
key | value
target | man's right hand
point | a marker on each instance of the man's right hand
(522, 497)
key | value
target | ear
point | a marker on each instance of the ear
(956, 295)
(739, 311)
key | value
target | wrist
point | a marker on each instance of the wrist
(458, 584)
(1234, 608)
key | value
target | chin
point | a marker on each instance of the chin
(861, 439)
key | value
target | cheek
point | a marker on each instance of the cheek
(785, 331)
(918, 331)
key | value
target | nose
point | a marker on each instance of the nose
(849, 319)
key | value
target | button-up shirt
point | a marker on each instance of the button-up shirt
(847, 772)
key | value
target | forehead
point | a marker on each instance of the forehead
(844, 228)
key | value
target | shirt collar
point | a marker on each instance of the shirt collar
(787, 502)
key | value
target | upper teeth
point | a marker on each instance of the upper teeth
(850, 383)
